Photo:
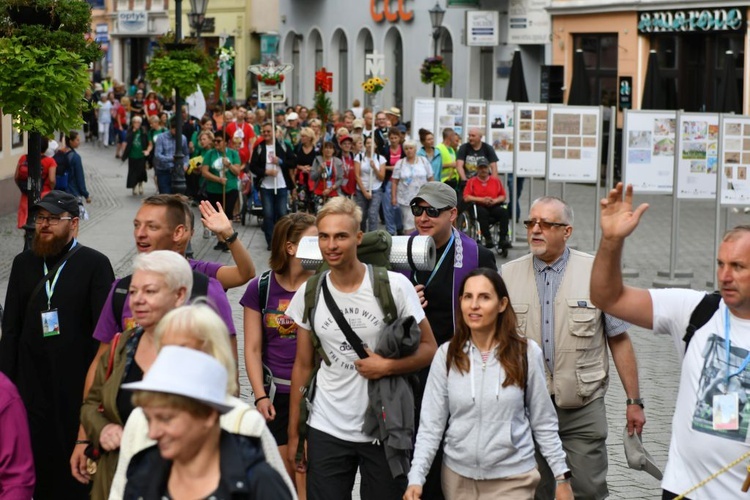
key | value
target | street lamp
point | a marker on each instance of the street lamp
(436, 18)
(197, 16)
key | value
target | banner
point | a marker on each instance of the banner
(648, 150)
(735, 161)
(698, 160)
(574, 152)
(500, 131)
(531, 145)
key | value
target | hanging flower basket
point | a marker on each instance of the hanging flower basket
(434, 71)
(270, 78)
(181, 66)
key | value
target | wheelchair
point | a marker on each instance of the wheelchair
(468, 223)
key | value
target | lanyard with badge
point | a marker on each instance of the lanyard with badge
(50, 319)
(439, 262)
(726, 414)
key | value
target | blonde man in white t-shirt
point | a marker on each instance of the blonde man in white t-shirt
(336, 445)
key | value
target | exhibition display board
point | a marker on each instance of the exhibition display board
(574, 152)
(734, 161)
(500, 134)
(648, 150)
(697, 161)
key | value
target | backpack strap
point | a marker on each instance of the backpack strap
(312, 292)
(200, 285)
(703, 312)
(381, 288)
(111, 359)
(263, 288)
(119, 295)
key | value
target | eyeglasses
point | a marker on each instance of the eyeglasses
(217, 141)
(529, 224)
(432, 212)
(52, 220)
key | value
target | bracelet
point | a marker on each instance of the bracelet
(261, 399)
(636, 401)
(83, 441)
(232, 238)
(558, 482)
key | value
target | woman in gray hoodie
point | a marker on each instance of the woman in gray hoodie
(488, 385)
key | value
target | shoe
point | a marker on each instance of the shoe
(489, 244)
(206, 234)
(135, 191)
(268, 247)
(140, 188)
(221, 246)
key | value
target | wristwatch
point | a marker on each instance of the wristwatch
(636, 401)
(231, 239)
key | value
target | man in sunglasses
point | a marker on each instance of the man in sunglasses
(55, 292)
(435, 211)
(549, 291)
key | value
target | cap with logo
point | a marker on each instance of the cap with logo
(437, 195)
(57, 202)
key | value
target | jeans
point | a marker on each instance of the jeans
(391, 213)
(370, 209)
(164, 181)
(512, 197)
(274, 208)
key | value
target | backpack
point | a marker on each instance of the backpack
(200, 289)
(22, 178)
(703, 312)
(381, 289)
(61, 174)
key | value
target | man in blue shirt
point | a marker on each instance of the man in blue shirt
(164, 151)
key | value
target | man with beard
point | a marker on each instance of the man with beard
(55, 293)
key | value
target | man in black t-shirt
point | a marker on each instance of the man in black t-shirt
(469, 154)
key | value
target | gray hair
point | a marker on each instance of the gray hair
(201, 322)
(171, 265)
(411, 143)
(567, 210)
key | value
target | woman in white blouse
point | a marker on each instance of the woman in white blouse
(369, 171)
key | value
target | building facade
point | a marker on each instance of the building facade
(339, 35)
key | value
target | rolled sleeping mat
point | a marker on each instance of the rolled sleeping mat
(407, 253)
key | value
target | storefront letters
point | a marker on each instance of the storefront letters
(691, 21)
(387, 14)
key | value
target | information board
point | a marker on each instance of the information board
(648, 150)
(423, 116)
(531, 143)
(698, 160)
(735, 161)
(500, 130)
(573, 155)
(450, 114)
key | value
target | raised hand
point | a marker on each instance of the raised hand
(215, 220)
(618, 219)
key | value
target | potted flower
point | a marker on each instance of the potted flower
(434, 71)
(181, 66)
(323, 85)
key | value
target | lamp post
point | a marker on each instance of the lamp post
(436, 18)
(178, 153)
(197, 16)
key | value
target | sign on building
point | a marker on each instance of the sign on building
(528, 22)
(482, 28)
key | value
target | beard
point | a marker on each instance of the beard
(48, 248)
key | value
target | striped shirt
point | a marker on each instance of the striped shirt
(548, 279)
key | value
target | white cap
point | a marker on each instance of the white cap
(292, 116)
(51, 148)
(187, 372)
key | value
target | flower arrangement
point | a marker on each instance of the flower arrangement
(270, 78)
(179, 66)
(226, 54)
(435, 71)
(323, 85)
(374, 85)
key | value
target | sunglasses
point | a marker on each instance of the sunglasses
(529, 224)
(218, 141)
(432, 212)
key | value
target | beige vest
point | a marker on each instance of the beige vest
(581, 364)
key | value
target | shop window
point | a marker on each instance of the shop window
(123, 5)
(600, 56)
(486, 67)
(296, 94)
(139, 4)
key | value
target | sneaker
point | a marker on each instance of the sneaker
(221, 246)
(206, 233)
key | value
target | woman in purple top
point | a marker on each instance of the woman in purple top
(270, 335)
(16, 461)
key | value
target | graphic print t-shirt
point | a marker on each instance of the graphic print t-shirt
(471, 157)
(697, 450)
(341, 397)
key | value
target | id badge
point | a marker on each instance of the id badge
(50, 323)
(726, 412)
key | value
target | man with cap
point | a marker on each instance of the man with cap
(394, 116)
(550, 293)
(292, 129)
(435, 211)
(252, 102)
(358, 127)
(55, 293)
(280, 117)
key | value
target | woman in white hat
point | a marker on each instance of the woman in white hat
(183, 396)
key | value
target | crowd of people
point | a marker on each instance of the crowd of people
(464, 381)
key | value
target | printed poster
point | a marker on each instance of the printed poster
(450, 115)
(574, 152)
(648, 150)
(424, 117)
(531, 146)
(735, 161)
(698, 160)
(500, 136)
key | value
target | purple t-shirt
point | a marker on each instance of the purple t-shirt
(107, 326)
(279, 329)
(16, 460)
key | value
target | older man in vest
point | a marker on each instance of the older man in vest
(549, 290)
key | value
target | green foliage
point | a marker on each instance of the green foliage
(182, 69)
(323, 105)
(435, 71)
(41, 86)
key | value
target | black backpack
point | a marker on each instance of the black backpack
(703, 312)
(200, 289)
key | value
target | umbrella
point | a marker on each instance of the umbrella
(517, 83)
(654, 95)
(580, 93)
(729, 99)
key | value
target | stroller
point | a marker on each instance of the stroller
(250, 199)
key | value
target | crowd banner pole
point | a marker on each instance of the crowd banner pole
(372, 147)
(671, 281)
(516, 201)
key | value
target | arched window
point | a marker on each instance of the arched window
(446, 50)
(394, 69)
